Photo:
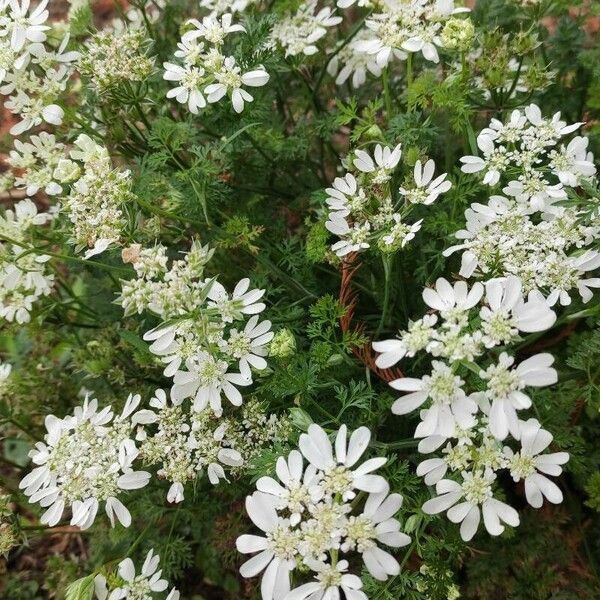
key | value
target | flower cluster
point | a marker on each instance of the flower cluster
(85, 460)
(184, 443)
(475, 457)
(99, 194)
(38, 164)
(298, 33)
(199, 343)
(350, 64)
(33, 74)
(502, 238)
(526, 155)
(23, 274)
(129, 586)
(111, 59)
(309, 519)
(221, 7)
(363, 208)
(408, 27)
(206, 74)
(474, 414)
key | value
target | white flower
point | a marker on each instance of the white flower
(504, 389)
(32, 112)
(241, 302)
(190, 79)
(298, 33)
(424, 45)
(356, 236)
(212, 29)
(175, 493)
(219, 7)
(86, 150)
(183, 443)
(84, 460)
(329, 581)
(23, 275)
(48, 58)
(400, 232)
(477, 496)
(426, 191)
(207, 71)
(478, 217)
(386, 160)
(248, 346)
(23, 26)
(310, 520)
(410, 342)
(136, 587)
(96, 203)
(276, 550)
(402, 27)
(571, 163)
(509, 132)
(532, 187)
(507, 313)
(229, 82)
(502, 237)
(526, 150)
(377, 523)
(572, 273)
(530, 465)
(355, 64)
(338, 475)
(452, 299)
(450, 406)
(345, 195)
(495, 161)
(295, 494)
(548, 130)
(100, 246)
(9, 59)
(205, 380)
(5, 370)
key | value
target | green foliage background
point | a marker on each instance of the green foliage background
(252, 186)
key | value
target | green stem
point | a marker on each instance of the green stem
(201, 195)
(11, 463)
(387, 92)
(387, 268)
(408, 443)
(84, 261)
(25, 429)
(409, 80)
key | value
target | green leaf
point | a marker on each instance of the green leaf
(238, 132)
(135, 340)
(82, 589)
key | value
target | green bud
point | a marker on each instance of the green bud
(524, 43)
(283, 344)
(458, 34)
(300, 418)
(334, 359)
(411, 155)
(8, 538)
(412, 524)
(374, 132)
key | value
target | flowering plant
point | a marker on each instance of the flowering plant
(299, 299)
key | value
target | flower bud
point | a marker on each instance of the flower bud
(283, 344)
(458, 34)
